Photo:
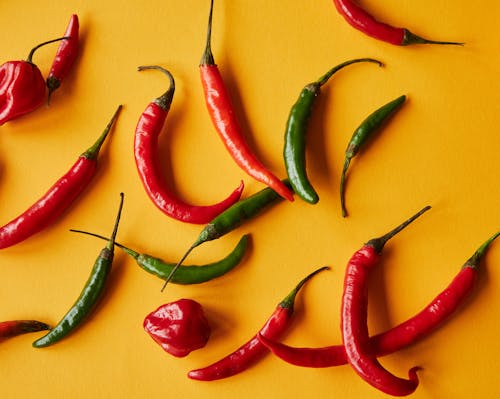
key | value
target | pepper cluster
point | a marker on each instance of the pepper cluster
(181, 326)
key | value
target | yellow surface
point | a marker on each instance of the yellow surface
(441, 149)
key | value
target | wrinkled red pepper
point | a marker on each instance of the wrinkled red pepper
(178, 327)
(22, 87)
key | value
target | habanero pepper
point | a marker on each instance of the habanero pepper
(404, 334)
(90, 294)
(22, 86)
(65, 56)
(147, 131)
(12, 328)
(354, 318)
(366, 129)
(253, 350)
(224, 119)
(185, 274)
(361, 20)
(58, 198)
(294, 151)
(230, 219)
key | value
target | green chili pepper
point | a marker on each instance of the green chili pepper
(294, 151)
(230, 219)
(367, 128)
(185, 274)
(90, 294)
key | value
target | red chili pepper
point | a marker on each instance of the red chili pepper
(65, 56)
(22, 87)
(253, 350)
(354, 319)
(16, 327)
(366, 23)
(224, 118)
(58, 198)
(147, 131)
(178, 327)
(400, 336)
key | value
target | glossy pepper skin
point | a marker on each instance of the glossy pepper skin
(253, 350)
(12, 328)
(186, 274)
(147, 131)
(65, 56)
(361, 20)
(230, 219)
(22, 87)
(89, 296)
(222, 113)
(404, 334)
(179, 327)
(58, 198)
(354, 319)
(294, 152)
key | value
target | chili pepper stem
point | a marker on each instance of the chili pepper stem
(127, 250)
(111, 242)
(30, 55)
(342, 184)
(473, 261)
(323, 79)
(165, 100)
(378, 243)
(289, 300)
(411, 38)
(171, 274)
(207, 57)
(93, 151)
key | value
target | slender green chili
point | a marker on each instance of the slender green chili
(294, 151)
(230, 219)
(185, 274)
(365, 130)
(90, 294)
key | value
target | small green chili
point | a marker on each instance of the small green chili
(294, 151)
(365, 130)
(90, 294)
(230, 219)
(185, 274)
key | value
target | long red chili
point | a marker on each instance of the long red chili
(147, 131)
(354, 319)
(224, 118)
(400, 336)
(253, 350)
(361, 20)
(12, 328)
(58, 198)
(65, 56)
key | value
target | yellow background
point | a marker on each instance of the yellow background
(440, 149)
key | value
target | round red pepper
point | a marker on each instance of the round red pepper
(178, 327)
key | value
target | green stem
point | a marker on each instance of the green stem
(172, 272)
(165, 100)
(207, 57)
(111, 242)
(323, 79)
(127, 250)
(378, 243)
(93, 151)
(473, 261)
(30, 55)
(289, 300)
(411, 38)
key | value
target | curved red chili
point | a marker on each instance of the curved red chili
(253, 350)
(65, 56)
(400, 336)
(361, 20)
(354, 319)
(58, 198)
(224, 118)
(147, 131)
(22, 87)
